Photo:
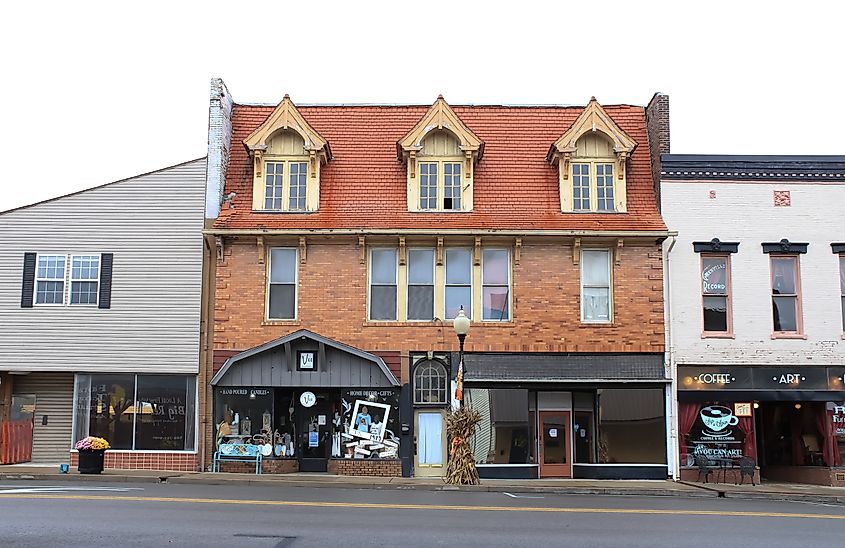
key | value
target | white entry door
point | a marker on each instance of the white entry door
(431, 443)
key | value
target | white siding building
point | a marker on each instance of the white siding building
(100, 298)
(755, 282)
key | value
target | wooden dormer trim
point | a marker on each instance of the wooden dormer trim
(287, 116)
(441, 116)
(593, 118)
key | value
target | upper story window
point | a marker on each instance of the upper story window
(421, 284)
(55, 272)
(432, 284)
(495, 284)
(287, 155)
(440, 152)
(596, 286)
(786, 295)
(842, 286)
(458, 282)
(716, 295)
(383, 284)
(282, 283)
(591, 158)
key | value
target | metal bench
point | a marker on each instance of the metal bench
(237, 452)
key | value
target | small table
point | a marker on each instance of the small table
(724, 464)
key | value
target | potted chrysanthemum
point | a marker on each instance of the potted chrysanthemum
(92, 452)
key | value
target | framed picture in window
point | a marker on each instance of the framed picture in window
(306, 360)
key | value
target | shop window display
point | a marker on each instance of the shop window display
(504, 435)
(715, 430)
(369, 425)
(144, 412)
(631, 426)
(245, 415)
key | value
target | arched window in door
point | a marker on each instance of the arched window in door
(430, 382)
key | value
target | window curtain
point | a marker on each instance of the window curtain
(82, 407)
(687, 415)
(830, 447)
(746, 426)
(431, 438)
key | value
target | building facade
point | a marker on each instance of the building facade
(346, 240)
(756, 311)
(100, 295)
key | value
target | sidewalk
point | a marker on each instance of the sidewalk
(769, 491)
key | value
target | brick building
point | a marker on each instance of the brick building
(345, 239)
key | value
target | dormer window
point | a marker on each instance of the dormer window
(591, 158)
(440, 153)
(287, 154)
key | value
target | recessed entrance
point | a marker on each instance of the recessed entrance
(555, 445)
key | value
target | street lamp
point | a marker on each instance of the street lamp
(461, 324)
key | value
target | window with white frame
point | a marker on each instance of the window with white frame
(285, 193)
(421, 284)
(786, 295)
(592, 186)
(430, 383)
(458, 282)
(383, 284)
(84, 279)
(440, 193)
(50, 279)
(495, 285)
(281, 301)
(596, 286)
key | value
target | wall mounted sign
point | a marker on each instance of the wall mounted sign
(784, 378)
(308, 399)
(742, 409)
(306, 360)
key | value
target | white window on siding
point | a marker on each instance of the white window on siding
(281, 303)
(458, 282)
(495, 282)
(84, 279)
(274, 180)
(595, 286)
(50, 279)
(298, 185)
(383, 282)
(420, 284)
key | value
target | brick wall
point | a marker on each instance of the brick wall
(140, 460)
(546, 304)
(366, 467)
(268, 466)
(657, 127)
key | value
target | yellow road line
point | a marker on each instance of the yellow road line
(389, 506)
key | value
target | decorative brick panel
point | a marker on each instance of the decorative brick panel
(140, 460)
(366, 467)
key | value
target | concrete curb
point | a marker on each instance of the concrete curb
(691, 490)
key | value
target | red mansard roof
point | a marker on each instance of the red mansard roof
(515, 187)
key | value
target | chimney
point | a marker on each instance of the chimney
(657, 123)
(219, 141)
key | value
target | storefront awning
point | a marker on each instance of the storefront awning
(559, 368)
(305, 359)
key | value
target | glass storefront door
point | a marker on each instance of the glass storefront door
(555, 445)
(314, 425)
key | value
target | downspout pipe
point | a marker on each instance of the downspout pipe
(673, 446)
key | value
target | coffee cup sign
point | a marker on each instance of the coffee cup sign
(718, 417)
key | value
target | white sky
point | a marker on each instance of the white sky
(96, 91)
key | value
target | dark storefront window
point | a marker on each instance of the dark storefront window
(504, 435)
(716, 430)
(241, 413)
(162, 418)
(631, 426)
(715, 289)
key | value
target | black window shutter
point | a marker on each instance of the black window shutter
(106, 260)
(28, 280)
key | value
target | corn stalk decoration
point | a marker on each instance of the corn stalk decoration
(460, 426)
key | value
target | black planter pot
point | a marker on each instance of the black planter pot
(91, 461)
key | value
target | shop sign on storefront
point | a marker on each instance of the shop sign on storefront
(761, 378)
(836, 411)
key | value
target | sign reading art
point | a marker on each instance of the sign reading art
(761, 378)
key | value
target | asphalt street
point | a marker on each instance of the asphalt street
(37, 514)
